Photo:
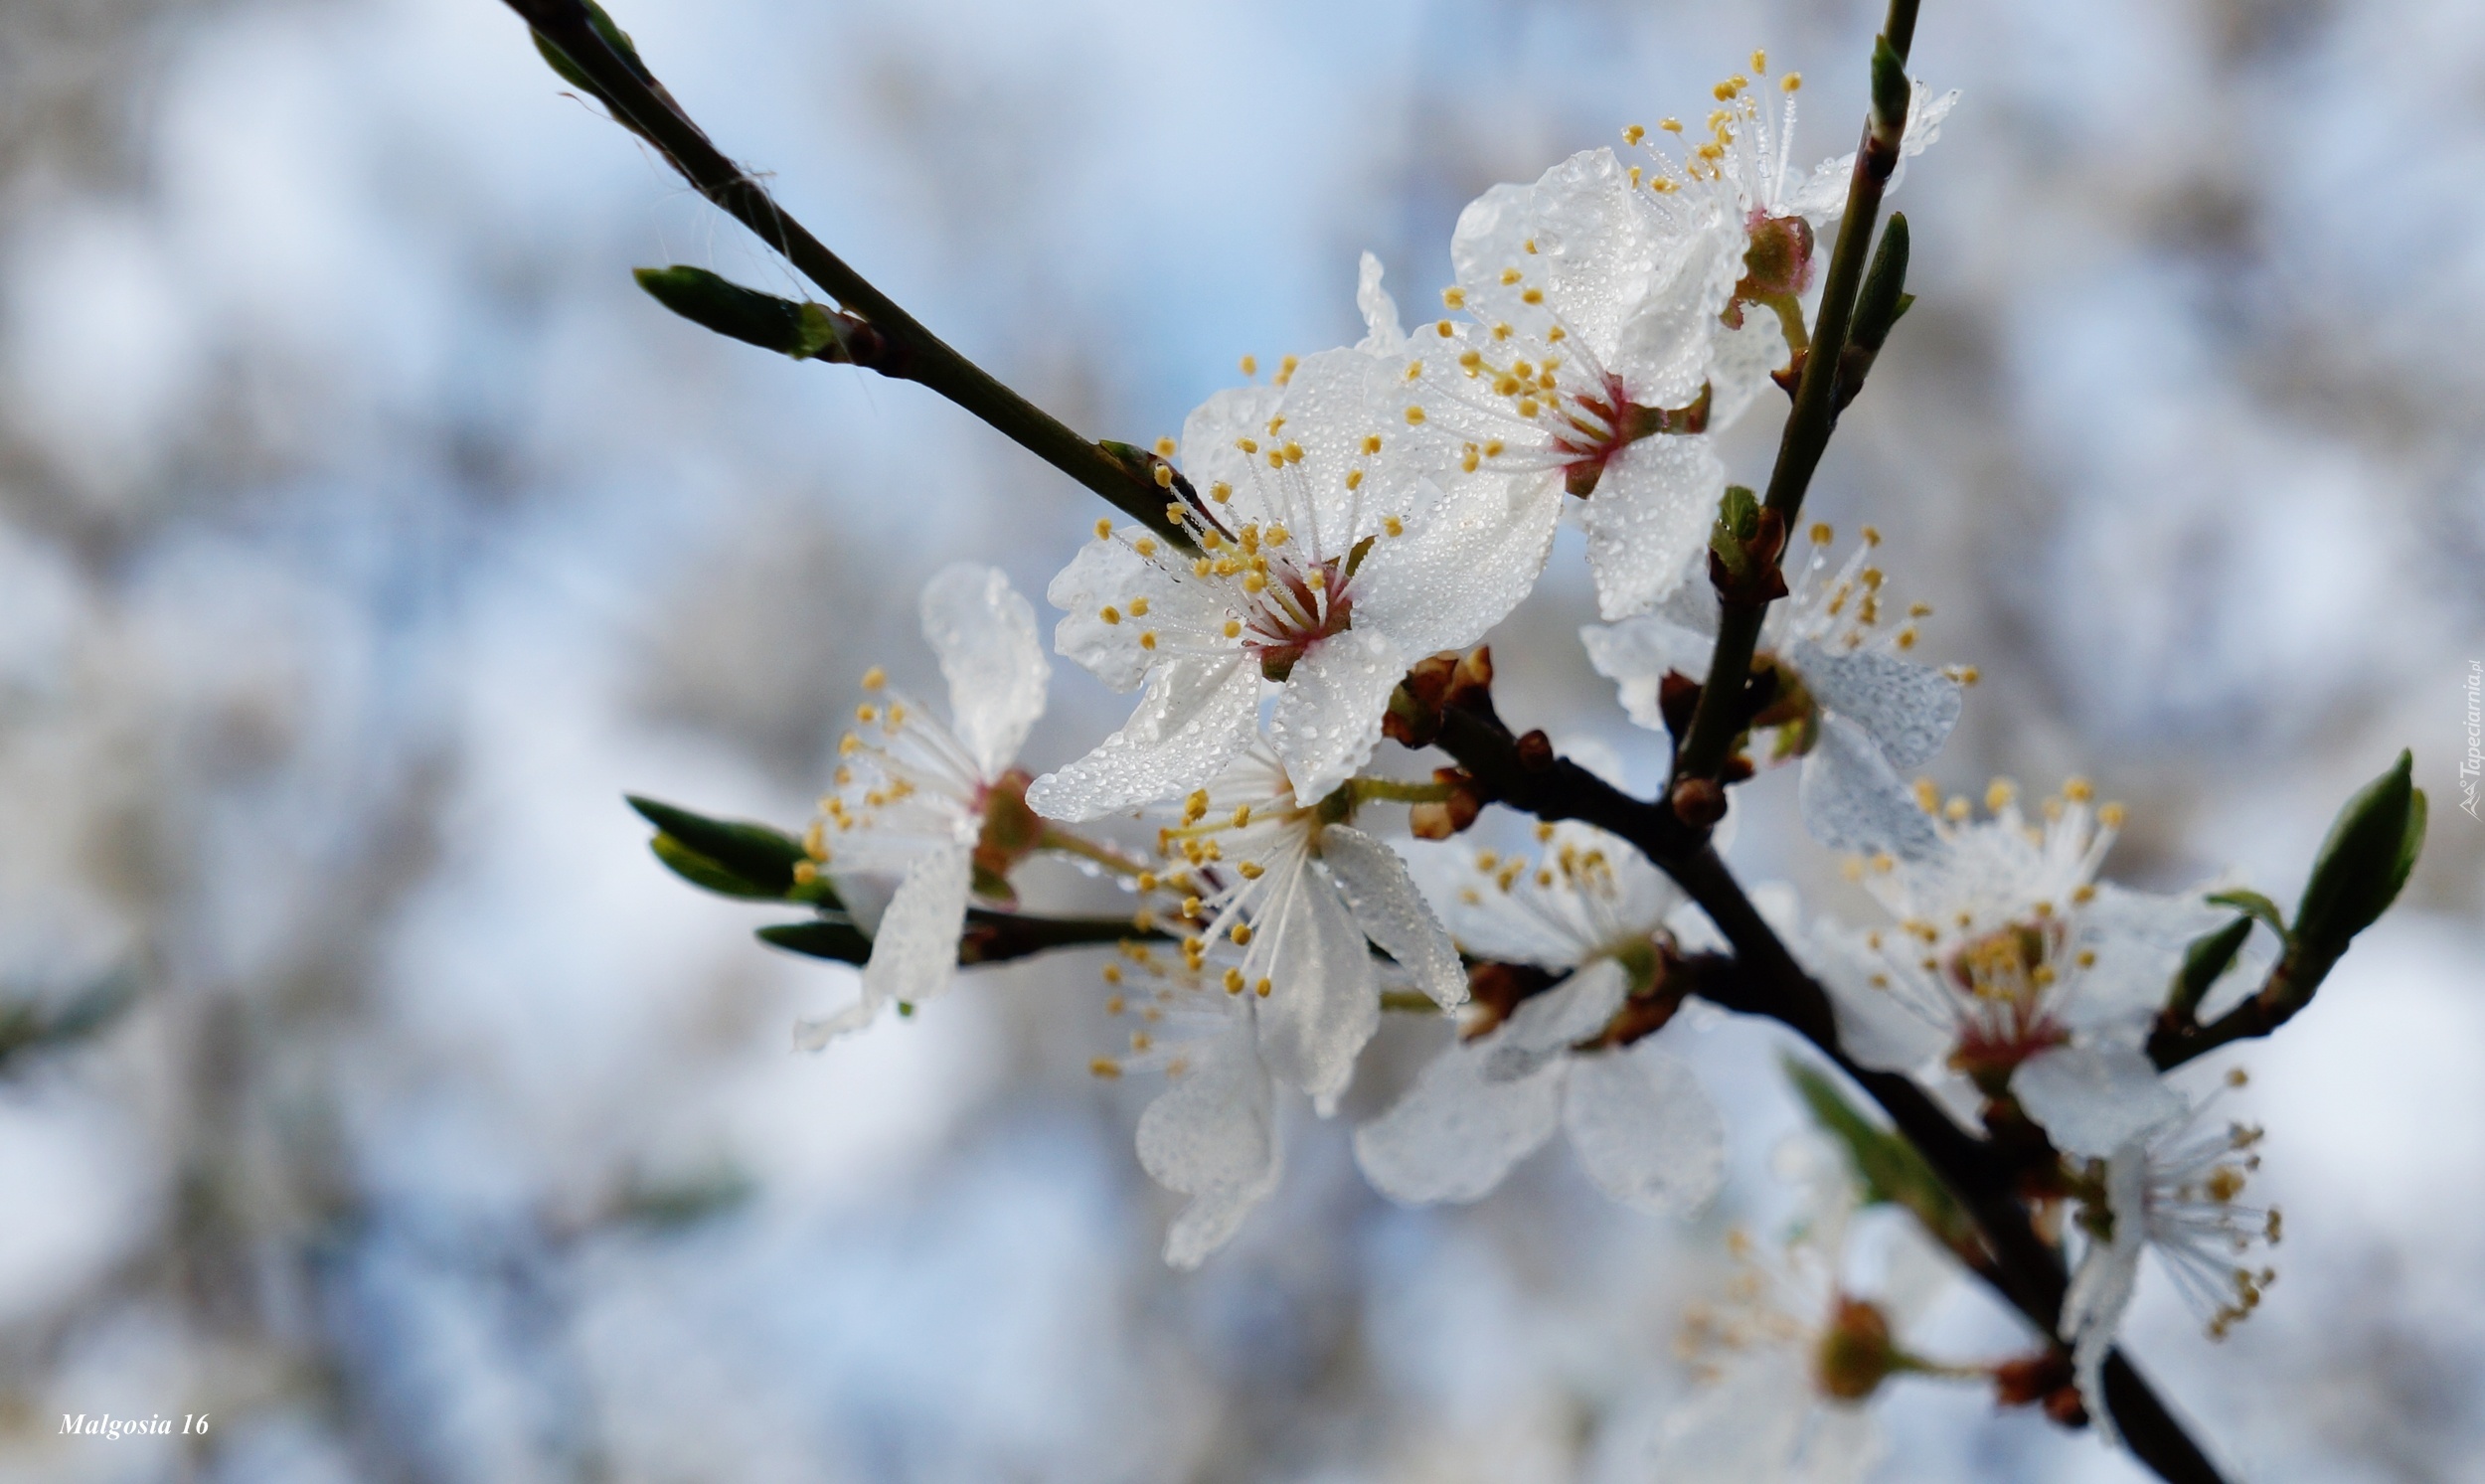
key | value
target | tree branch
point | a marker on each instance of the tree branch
(1808, 422)
(904, 348)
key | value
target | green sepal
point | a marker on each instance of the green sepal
(2360, 866)
(758, 859)
(2209, 956)
(1738, 521)
(612, 35)
(1886, 1165)
(800, 330)
(830, 935)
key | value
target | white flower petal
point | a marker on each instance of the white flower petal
(1212, 1135)
(1108, 573)
(1454, 1136)
(1194, 717)
(1749, 1428)
(815, 1035)
(1328, 718)
(1853, 800)
(1909, 709)
(2092, 1100)
(1879, 1028)
(2101, 1289)
(1324, 1002)
(985, 636)
(1639, 653)
(1393, 914)
(1383, 335)
(2138, 938)
(915, 954)
(1649, 519)
(1465, 562)
(1545, 1027)
(1644, 1130)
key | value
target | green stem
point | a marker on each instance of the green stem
(910, 349)
(1808, 425)
(1069, 843)
(1392, 790)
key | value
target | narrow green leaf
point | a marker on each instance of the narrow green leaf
(2365, 861)
(1883, 295)
(829, 936)
(2255, 905)
(2208, 957)
(714, 302)
(761, 858)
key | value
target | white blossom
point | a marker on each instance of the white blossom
(2173, 1189)
(1326, 566)
(941, 809)
(2006, 960)
(1851, 702)
(1591, 909)
(1799, 1346)
(1297, 890)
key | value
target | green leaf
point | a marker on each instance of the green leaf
(2208, 957)
(831, 935)
(2253, 905)
(1886, 1165)
(1738, 521)
(2365, 861)
(760, 860)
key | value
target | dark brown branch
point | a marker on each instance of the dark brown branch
(2288, 989)
(1523, 772)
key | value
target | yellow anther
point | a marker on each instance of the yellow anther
(1503, 332)
(1999, 793)
(1793, 83)
(1414, 370)
(1454, 298)
(1105, 1067)
(1372, 442)
(1242, 816)
(1165, 447)
(1392, 525)
(1234, 628)
(1108, 613)
(2083, 893)
(1276, 458)
(1148, 640)
(1190, 907)
(1145, 546)
(1670, 125)
(1221, 492)
(1444, 329)
(2111, 816)
(1253, 582)
(2078, 791)
(1293, 452)
(1240, 932)
(1634, 134)
(2085, 959)
(1248, 445)
(1233, 981)
(1251, 365)
(1635, 175)
(1957, 808)
(867, 713)
(1927, 797)
(1202, 567)
(1103, 529)
(1760, 60)
(1252, 870)
(874, 677)
(1884, 863)
(1553, 336)
(1509, 276)
(1821, 534)
(1413, 415)
(1467, 461)
(1529, 407)
(1194, 808)
(1164, 476)
(1492, 449)
(1263, 987)
(1354, 478)
(1533, 296)
(1285, 369)
(1872, 536)
(1507, 385)
(1275, 536)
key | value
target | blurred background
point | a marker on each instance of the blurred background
(364, 535)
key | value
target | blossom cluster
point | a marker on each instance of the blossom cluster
(1368, 507)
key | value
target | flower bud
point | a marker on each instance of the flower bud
(731, 858)
(1856, 1353)
(804, 331)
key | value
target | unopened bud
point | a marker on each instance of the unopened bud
(1699, 802)
(805, 331)
(1439, 821)
(1856, 1353)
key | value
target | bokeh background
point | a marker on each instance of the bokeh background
(365, 534)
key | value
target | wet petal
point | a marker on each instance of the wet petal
(1644, 1130)
(1381, 895)
(1383, 335)
(1212, 1135)
(1328, 719)
(1466, 560)
(2093, 1100)
(1853, 800)
(1194, 717)
(1907, 708)
(985, 636)
(1324, 1002)
(1649, 520)
(1545, 1027)
(1455, 1134)
(1639, 653)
